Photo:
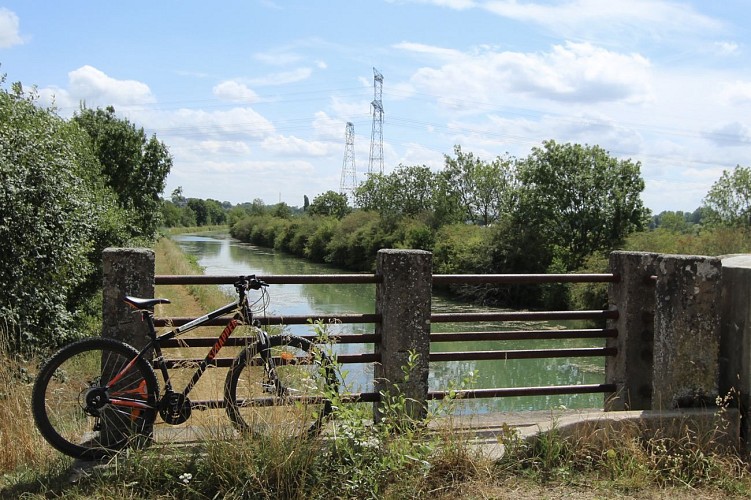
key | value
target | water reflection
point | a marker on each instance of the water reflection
(219, 254)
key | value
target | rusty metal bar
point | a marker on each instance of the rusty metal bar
(594, 333)
(279, 320)
(438, 279)
(227, 362)
(279, 279)
(354, 397)
(242, 341)
(523, 354)
(523, 279)
(523, 391)
(522, 316)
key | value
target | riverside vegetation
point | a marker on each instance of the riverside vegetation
(396, 458)
(71, 187)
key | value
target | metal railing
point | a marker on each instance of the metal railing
(434, 357)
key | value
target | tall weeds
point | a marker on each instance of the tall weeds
(23, 448)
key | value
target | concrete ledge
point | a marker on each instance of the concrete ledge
(709, 427)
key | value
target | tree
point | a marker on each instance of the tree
(330, 203)
(135, 166)
(483, 191)
(580, 199)
(728, 201)
(407, 191)
(216, 213)
(281, 210)
(56, 215)
(201, 211)
(177, 197)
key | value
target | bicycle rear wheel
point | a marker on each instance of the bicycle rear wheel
(292, 398)
(81, 412)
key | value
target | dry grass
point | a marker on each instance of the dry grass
(23, 447)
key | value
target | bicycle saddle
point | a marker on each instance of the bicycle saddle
(144, 303)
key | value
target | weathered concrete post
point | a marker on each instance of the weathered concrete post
(127, 271)
(687, 332)
(634, 295)
(735, 336)
(403, 301)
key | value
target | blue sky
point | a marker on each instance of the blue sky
(252, 97)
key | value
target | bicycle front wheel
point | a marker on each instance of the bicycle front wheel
(87, 402)
(291, 396)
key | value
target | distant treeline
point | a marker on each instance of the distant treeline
(562, 209)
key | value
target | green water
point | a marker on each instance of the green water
(221, 255)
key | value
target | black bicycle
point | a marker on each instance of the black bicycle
(98, 395)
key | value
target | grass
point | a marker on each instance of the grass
(396, 458)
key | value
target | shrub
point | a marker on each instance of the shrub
(55, 218)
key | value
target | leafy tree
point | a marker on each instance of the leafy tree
(170, 214)
(177, 197)
(330, 203)
(135, 166)
(56, 214)
(215, 212)
(407, 191)
(201, 211)
(580, 199)
(282, 210)
(728, 201)
(483, 191)
(256, 207)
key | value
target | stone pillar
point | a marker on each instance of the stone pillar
(403, 301)
(735, 336)
(687, 332)
(634, 297)
(127, 271)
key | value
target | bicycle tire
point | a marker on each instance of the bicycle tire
(293, 398)
(71, 405)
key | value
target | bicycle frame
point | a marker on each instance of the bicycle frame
(243, 316)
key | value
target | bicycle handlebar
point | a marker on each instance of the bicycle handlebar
(250, 282)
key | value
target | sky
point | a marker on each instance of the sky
(252, 97)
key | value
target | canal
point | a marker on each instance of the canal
(220, 254)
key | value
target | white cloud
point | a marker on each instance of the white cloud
(94, 86)
(581, 18)
(730, 134)
(736, 92)
(239, 123)
(10, 27)
(573, 72)
(328, 128)
(726, 48)
(421, 48)
(234, 91)
(294, 146)
(218, 147)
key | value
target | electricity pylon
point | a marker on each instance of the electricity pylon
(376, 137)
(349, 173)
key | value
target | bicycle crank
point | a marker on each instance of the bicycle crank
(174, 408)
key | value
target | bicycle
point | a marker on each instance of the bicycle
(97, 396)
